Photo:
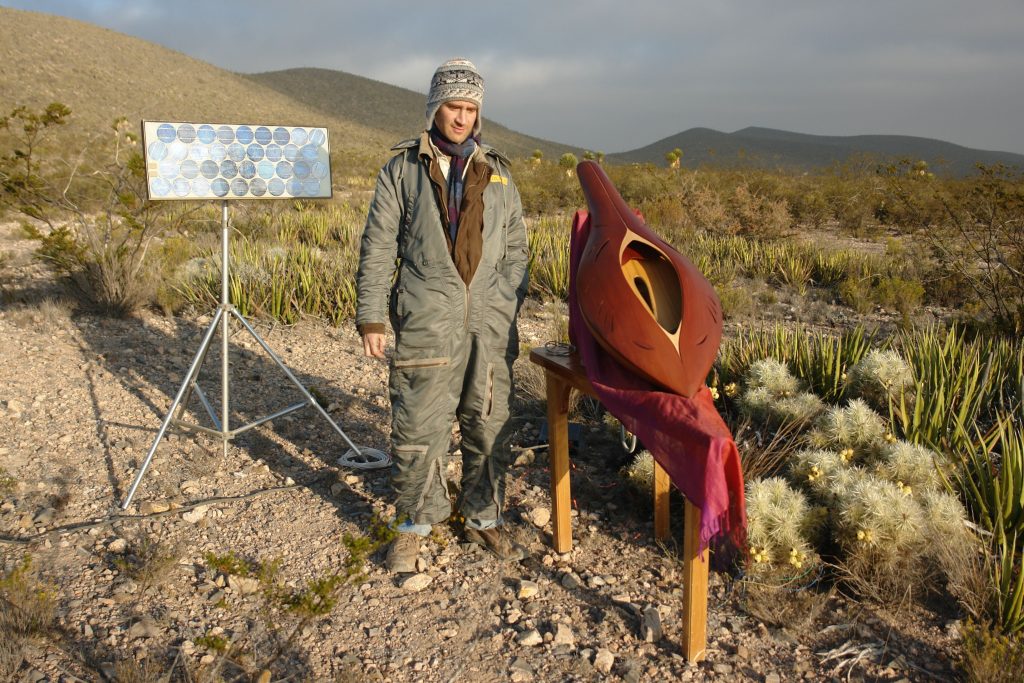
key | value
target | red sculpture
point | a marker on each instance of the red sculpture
(646, 304)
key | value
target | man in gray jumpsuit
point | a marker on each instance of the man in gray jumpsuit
(447, 217)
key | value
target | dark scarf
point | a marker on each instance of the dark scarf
(460, 155)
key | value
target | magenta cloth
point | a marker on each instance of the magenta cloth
(686, 436)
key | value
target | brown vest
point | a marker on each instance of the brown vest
(469, 244)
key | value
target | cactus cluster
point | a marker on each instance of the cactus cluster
(780, 530)
(882, 375)
(774, 396)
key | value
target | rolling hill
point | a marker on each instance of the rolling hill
(396, 111)
(768, 148)
(101, 75)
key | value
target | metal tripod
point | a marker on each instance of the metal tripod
(365, 458)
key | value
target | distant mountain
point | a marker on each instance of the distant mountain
(397, 111)
(768, 148)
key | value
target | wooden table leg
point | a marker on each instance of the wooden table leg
(695, 587)
(661, 494)
(558, 452)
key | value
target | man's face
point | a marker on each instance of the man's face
(455, 119)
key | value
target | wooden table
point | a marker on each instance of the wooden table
(563, 373)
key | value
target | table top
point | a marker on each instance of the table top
(565, 363)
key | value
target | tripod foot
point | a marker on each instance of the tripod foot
(365, 459)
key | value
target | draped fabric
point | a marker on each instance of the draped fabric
(686, 436)
(460, 155)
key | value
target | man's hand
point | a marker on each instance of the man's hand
(373, 344)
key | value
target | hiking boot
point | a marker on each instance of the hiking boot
(499, 541)
(403, 553)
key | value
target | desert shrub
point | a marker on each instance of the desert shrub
(899, 293)
(29, 604)
(545, 188)
(973, 229)
(759, 215)
(98, 226)
(989, 656)
(148, 560)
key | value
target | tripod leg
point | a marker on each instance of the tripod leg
(197, 361)
(294, 379)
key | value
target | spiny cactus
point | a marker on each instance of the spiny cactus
(910, 465)
(640, 471)
(773, 376)
(857, 430)
(880, 376)
(815, 469)
(773, 395)
(880, 521)
(779, 521)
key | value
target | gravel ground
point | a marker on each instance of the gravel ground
(135, 592)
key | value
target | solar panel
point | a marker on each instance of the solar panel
(229, 161)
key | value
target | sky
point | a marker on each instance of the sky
(617, 75)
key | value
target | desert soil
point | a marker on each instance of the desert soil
(83, 396)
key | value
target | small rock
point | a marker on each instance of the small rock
(288, 481)
(144, 628)
(196, 515)
(527, 589)
(529, 638)
(527, 457)
(44, 516)
(564, 636)
(722, 668)
(604, 660)
(416, 582)
(651, 629)
(243, 585)
(421, 564)
(152, 507)
(118, 545)
(772, 678)
(540, 516)
(570, 581)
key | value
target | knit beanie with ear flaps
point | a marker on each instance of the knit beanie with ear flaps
(456, 79)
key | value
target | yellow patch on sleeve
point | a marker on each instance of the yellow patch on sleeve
(499, 179)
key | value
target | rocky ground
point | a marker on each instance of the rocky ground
(171, 583)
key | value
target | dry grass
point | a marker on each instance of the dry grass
(783, 607)
(47, 314)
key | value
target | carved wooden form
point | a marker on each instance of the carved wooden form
(646, 304)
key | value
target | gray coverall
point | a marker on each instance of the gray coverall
(454, 342)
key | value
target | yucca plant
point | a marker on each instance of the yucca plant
(951, 384)
(548, 238)
(822, 361)
(991, 477)
(794, 270)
